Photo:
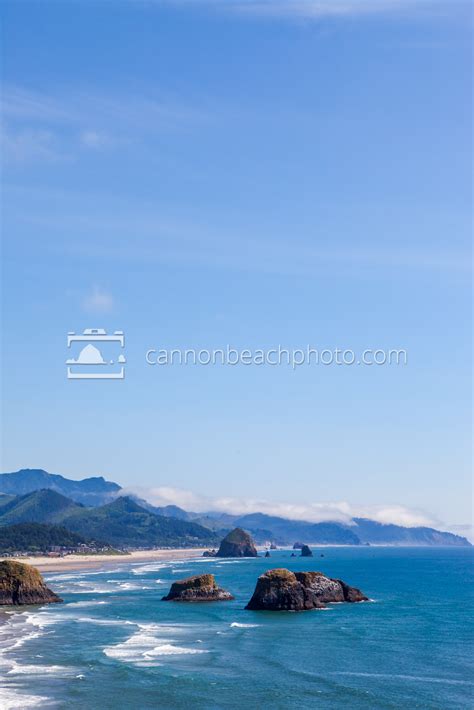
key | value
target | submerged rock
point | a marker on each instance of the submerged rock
(282, 590)
(23, 584)
(200, 588)
(306, 551)
(237, 543)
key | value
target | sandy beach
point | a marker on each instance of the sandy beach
(78, 562)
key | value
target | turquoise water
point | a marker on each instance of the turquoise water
(114, 644)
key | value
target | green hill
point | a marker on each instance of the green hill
(36, 537)
(126, 524)
(45, 506)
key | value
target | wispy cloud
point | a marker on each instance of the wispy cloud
(300, 9)
(342, 511)
(98, 300)
(147, 234)
(46, 126)
(317, 9)
(27, 145)
(94, 140)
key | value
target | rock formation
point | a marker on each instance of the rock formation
(267, 554)
(237, 543)
(200, 588)
(297, 546)
(209, 553)
(282, 590)
(273, 546)
(306, 551)
(23, 584)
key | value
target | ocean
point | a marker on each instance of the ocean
(114, 643)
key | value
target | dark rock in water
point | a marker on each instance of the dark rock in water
(273, 546)
(306, 551)
(292, 554)
(200, 588)
(279, 590)
(209, 553)
(297, 546)
(282, 590)
(237, 543)
(23, 584)
(321, 555)
(267, 554)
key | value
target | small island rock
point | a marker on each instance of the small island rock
(200, 588)
(23, 584)
(237, 543)
(267, 554)
(306, 551)
(209, 553)
(282, 590)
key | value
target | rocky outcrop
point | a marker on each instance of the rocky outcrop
(273, 546)
(209, 553)
(297, 546)
(306, 551)
(237, 543)
(279, 590)
(267, 554)
(282, 590)
(23, 584)
(200, 588)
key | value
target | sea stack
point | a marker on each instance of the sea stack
(306, 551)
(237, 543)
(23, 584)
(282, 590)
(200, 588)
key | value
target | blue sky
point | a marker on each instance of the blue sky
(198, 173)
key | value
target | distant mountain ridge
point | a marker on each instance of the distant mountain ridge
(141, 529)
(89, 491)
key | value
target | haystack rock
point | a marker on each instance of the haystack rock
(237, 543)
(306, 551)
(282, 590)
(23, 584)
(200, 588)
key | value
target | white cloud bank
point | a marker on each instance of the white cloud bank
(342, 511)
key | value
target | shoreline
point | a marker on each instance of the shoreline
(80, 562)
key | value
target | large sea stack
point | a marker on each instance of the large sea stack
(200, 588)
(237, 543)
(23, 584)
(306, 551)
(282, 590)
